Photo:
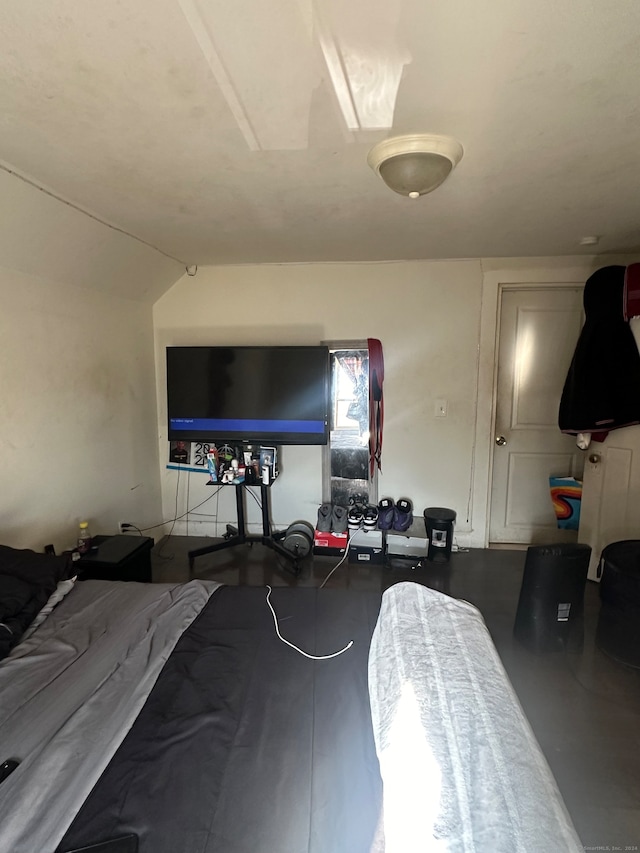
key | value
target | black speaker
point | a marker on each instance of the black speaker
(552, 596)
(618, 631)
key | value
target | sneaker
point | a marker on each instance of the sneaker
(355, 518)
(385, 514)
(403, 515)
(325, 513)
(339, 521)
(370, 519)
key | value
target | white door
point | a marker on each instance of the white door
(611, 497)
(539, 329)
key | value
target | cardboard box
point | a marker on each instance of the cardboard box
(411, 543)
(367, 547)
(331, 544)
(400, 545)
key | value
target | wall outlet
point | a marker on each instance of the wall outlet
(123, 527)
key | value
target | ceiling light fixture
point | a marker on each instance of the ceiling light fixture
(415, 164)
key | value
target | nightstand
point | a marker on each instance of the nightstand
(117, 558)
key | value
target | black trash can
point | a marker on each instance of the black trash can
(439, 522)
(551, 599)
(618, 631)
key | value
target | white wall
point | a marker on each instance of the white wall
(45, 237)
(80, 428)
(77, 376)
(77, 412)
(427, 315)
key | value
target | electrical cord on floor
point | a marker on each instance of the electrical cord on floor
(291, 645)
(337, 565)
(172, 521)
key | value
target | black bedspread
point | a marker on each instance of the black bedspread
(27, 579)
(245, 746)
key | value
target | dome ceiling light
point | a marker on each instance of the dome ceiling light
(415, 164)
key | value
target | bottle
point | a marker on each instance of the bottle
(84, 538)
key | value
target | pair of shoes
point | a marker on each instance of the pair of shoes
(355, 518)
(403, 515)
(395, 516)
(332, 519)
(363, 517)
(325, 513)
(370, 520)
(386, 509)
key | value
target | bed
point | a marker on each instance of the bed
(191, 717)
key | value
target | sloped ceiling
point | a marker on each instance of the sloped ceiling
(224, 133)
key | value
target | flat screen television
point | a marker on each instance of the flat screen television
(248, 394)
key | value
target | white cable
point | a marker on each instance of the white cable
(337, 565)
(187, 501)
(312, 657)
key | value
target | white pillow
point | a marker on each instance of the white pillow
(62, 589)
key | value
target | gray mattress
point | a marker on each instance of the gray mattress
(174, 712)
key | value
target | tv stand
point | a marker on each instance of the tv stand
(238, 535)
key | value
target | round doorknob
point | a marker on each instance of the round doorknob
(500, 440)
(594, 458)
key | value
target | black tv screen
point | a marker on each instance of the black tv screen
(248, 394)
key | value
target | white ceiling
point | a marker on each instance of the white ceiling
(238, 132)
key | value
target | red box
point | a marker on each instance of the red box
(329, 543)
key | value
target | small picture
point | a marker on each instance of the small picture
(180, 452)
(212, 465)
(268, 459)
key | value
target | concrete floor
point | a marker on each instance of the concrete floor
(583, 706)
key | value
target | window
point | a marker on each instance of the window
(346, 460)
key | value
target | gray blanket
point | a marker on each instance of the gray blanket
(70, 693)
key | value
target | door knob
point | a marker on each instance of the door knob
(500, 440)
(594, 458)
